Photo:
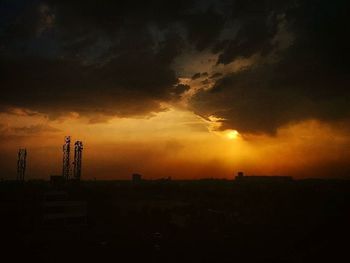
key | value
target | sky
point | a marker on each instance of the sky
(187, 89)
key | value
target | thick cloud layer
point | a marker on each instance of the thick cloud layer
(89, 56)
(306, 80)
(115, 58)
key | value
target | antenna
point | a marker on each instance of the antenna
(78, 151)
(66, 158)
(21, 164)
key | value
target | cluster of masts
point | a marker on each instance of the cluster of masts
(76, 165)
(69, 170)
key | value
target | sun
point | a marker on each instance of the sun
(232, 134)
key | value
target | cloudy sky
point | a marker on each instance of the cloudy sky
(187, 89)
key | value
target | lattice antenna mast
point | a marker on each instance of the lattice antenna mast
(21, 164)
(78, 151)
(66, 158)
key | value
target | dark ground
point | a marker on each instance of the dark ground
(182, 221)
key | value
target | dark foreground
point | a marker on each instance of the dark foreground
(193, 221)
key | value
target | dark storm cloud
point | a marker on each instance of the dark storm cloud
(115, 58)
(264, 98)
(199, 75)
(257, 25)
(196, 76)
(216, 75)
(310, 79)
(89, 56)
(181, 88)
(204, 28)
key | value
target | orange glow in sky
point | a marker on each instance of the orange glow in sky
(174, 143)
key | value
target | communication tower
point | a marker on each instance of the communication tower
(66, 158)
(78, 150)
(21, 164)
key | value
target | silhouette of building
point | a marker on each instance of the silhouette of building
(262, 178)
(240, 174)
(57, 180)
(21, 164)
(136, 178)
